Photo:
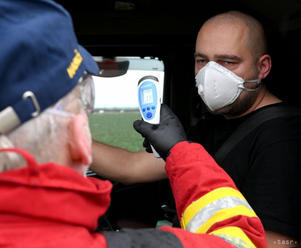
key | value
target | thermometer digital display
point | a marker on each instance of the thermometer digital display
(149, 99)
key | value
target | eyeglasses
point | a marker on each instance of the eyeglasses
(87, 93)
(58, 111)
(86, 97)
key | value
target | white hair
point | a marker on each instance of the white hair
(45, 136)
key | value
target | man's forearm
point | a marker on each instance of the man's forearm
(124, 166)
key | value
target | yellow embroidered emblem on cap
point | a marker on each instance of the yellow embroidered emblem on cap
(75, 63)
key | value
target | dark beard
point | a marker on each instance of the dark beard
(240, 106)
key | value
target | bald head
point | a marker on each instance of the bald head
(254, 33)
(235, 41)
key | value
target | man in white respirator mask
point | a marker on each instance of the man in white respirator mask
(220, 87)
(231, 63)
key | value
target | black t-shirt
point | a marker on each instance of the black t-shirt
(264, 165)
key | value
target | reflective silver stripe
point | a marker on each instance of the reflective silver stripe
(207, 212)
(237, 242)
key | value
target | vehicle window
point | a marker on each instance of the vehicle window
(116, 102)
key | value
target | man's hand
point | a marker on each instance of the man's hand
(164, 135)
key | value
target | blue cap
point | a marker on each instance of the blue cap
(41, 60)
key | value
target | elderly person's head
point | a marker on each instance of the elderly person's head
(46, 86)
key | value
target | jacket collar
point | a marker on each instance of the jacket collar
(53, 192)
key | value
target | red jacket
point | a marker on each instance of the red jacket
(51, 205)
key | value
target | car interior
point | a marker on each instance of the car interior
(117, 32)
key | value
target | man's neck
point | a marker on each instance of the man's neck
(264, 98)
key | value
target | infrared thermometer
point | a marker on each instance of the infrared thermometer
(149, 101)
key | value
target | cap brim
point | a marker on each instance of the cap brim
(88, 61)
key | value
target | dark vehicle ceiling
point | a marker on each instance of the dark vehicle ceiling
(167, 17)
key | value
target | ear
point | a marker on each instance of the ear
(264, 66)
(80, 143)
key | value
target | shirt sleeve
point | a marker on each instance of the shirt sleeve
(208, 201)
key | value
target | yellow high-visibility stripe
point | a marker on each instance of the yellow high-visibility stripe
(210, 197)
(224, 214)
(234, 235)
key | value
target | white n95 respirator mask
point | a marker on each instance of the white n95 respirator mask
(218, 86)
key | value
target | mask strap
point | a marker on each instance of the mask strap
(258, 81)
(253, 81)
(31, 162)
